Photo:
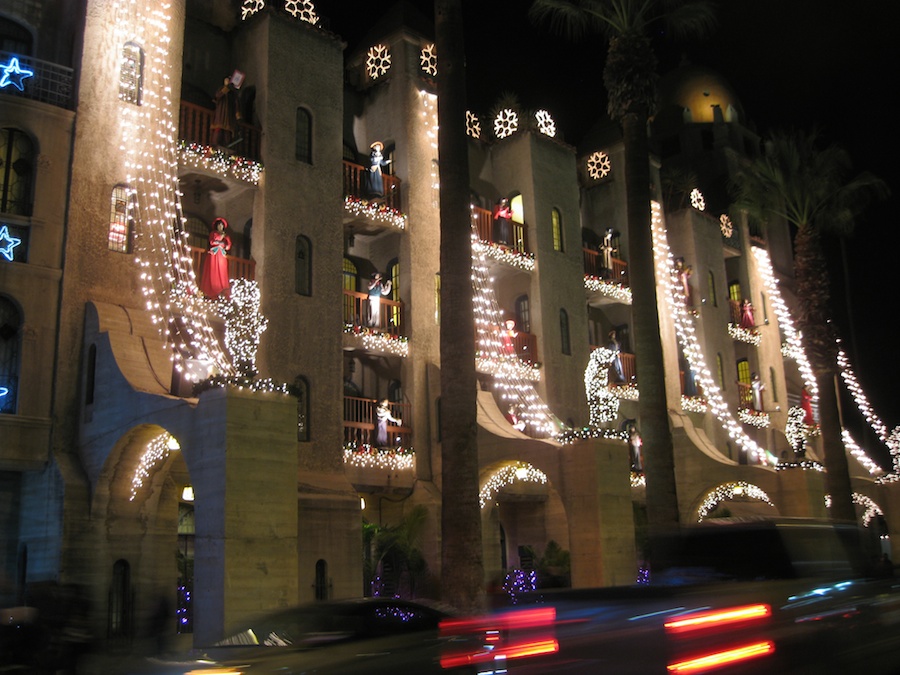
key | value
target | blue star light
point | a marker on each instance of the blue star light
(11, 243)
(14, 74)
(3, 391)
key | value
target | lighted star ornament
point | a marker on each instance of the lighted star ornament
(8, 243)
(13, 74)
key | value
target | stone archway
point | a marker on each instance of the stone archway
(735, 499)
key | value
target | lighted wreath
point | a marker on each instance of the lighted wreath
(302, 9)
(545, 123)
(378, 61)
(428, 60)
(473, 126)
(697, 200)
(598, 165)
(506, 123)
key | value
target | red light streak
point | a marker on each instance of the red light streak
(718, 618)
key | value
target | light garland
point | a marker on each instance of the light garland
(871, 509)
(377, 341)
(729, 491)
(545, 123)
(598, 165)
(507, 475)
(612, 289)
(507, 256)
(149, 147)
(366, 456)
(506, 123)
(755, 418)
(155, 453)
(374, 211)
(796, 430)
(627, 392)
(695, 404)
(859, 454)
(244, 324)
(212, 159)
(428, 60)
(507, 369)
(378, 61)
(805, 464)
(750, 336)
(684, 328)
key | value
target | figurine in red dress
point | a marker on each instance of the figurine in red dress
(214, 280)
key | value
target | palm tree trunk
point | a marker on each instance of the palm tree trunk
(462, 565)
(659, 460)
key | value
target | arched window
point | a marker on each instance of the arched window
(10, 343)
(556, 228)
(773, 384)
(523, 313)
(120, 600)
(743, 371)
(131, 74)
(303, 136)
(16, 171)
(349, 282)
(302, 389)
(720, 368)
(734, 291)
(303, 266)
(121, 219)
(321, 580)
(711, 290)
(564, 339)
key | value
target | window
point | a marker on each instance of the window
(565, 342)
(131, 75)
(349, 282)
(523, 313)
(556, 227)
(197, 232)
(765, 309)
(303, 136)
(16, 171)
(734, 291)
(743, 371)
(10, 343)
(120, 596)
(773, 384)
(321, 580)
(91, 375)
(301, 385)
(720, 368)
(711, 283)
(121, 219)
(14, 37)
(303, 266)
(393, 273)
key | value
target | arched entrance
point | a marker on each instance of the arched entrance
(735, 499)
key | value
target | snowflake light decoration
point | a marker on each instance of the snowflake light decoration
(303, 10)
(697, 200)
(428, 60)
(378, 61)
(546, 124)
(251, 7)
(598, 165)
(726, 226)
(473, 126)
(506, 123)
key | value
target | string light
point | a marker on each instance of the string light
(212, 159)
(365, 456)
(155, 453)
(755, 418)
(612, 289)
(244, 324)
(507, 256)
(859, 454)
(730, 491)
(377, 341)
(507, 475)
(696, 404)
(374, 211)
(870, 508)
(749, 335)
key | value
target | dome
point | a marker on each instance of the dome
(698, 91)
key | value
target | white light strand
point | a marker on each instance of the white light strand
(374, 211)
(155, 453)
(870, 508)
(739, 489)
(612, 289)
(509, 474)
(684, 327)
(390, 459)
(859, 454)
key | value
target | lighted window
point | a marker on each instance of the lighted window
(303, 265)
(131, 75)
(743, 371)
(121, 219)
(565, 342)
(303, 136)
(393, 273)
(734, 291)
(556, 227)
(301, 388)
(17, 159)
(711, 290)
(10, 344)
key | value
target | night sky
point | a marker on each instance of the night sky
(795, 64)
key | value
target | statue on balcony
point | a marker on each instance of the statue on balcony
(634, 445)
(747, 320)
(508, 335)
(806, 404)
(374, 180)
(377, 288)
(502, 217)
(382, 417)
(683, 274)
(513, 418)
(607, 249)
(616, 374)
(224, 121)
(214, 280)
(756, 389)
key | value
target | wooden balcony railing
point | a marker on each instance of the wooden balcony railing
(593, 266)
(356, 312)
(360, 423)
(355, 185)
(523, 345)
(745, 395)
(194, 127)
(629, 370)
(238, 268)
(484, 225)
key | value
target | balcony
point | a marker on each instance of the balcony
(617, 272)
(356, 312)
(484, 225)
(194, 127)
(360, 424)
(629, 370)
(238, 268)
(49, 82)
(354, 185)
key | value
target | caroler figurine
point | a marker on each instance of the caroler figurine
(214, 280)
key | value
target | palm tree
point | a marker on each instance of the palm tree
(462, 564)
(630, 78)
(808, 188)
